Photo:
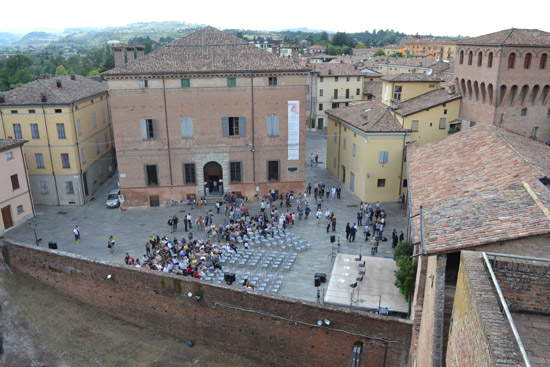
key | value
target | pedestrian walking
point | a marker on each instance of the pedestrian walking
(328, 226)
(353, 231)
(76, 231)
(111, 243)
(348, 231)
(333, 223)
(360, 218)
(401, 237)
(394, 238)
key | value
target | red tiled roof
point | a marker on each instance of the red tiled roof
(513, 36)
(371, 116)
(425, 101)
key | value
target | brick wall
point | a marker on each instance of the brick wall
(479, 334)
(275, 330)
(526, 287)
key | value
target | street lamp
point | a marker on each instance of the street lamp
(34, 225)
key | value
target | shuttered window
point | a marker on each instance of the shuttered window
(65, 163)
(272, 125)
(414, 125)
(185, 83)
(61, 131)
(17, 131)
(39, 159)
(234, 126)
(148, 129)
(35, 132)
(231, 82)
(442, 123)
(187, 127)
(383, 157)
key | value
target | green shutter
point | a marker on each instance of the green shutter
(185, 83)
(231, 82)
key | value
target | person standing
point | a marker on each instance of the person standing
(217, 207)
(190, 221)
(360, 218)
(353, 231)
(348, 232)
(174, 223)
(328, 225)
(111, 243)
(367, 231)
(333, 222)
(394, 238)
(185, 221)
(76, 231)
(339, 192)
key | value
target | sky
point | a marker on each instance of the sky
(437, 17)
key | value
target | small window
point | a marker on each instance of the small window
(383, 157)
(35, 132)
(272, 80)
(381, 182)
(14, 182)
(397, 93)
(479, 58)
(511, 60)
(189, 173)
(335, 105)
(320, 92)
(14, 112)
(442, 123)
(470, 57)
(39, 160)
(148, 129)
(20, 209)
(490, 60)
(524, 111)
(543, 58)
(320, 106)
(44, 187)
(414, 125)
(347, 79)
(235, 170)
(347, 93)
(78, 127)
(353, 150)
(97, 146)
(151, 178)
(405, 183)
(58, 110)
(345, 144)
(358, 79)
(185, 83)
(144, 83)
(272, 125)
(60, 131)
(69, 187)
(336, 93)
(273, 170)
(444, 112)
(65, 163)
(358, 92)
(231, 82)
(335, 138)
(335, 78)
(9, 156)
(32, 111)
(17, 133)
(527, 60)
(321, 79)
(233, 126)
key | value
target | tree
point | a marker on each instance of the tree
(397, 54)
(405, 275)
(324, 36)
(380, 53)
(342, 39)
(60, 70)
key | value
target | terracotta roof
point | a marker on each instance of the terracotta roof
(440, 66)
(425, 101)
(207, 50)
(6, 144)
(513, 36)
(336, 69)
(472, 186)
(70, 91)
(411, 77)
(371, 116)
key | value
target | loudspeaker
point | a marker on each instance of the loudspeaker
(52, 245)
(229, 277)
(317, 281)
(332, 238)
(322, 277)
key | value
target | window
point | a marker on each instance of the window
(334, 138)
(524, 111)
(39, 160)
(35, 133)
(44, 187)
(535, 132)
(272, 125)
(78, 128)
(272, 80)
(353, 149)
(69, 187)
(94, 120)
(336, 93)
(233, 126)
(358, 91)
(32, 111)
(470, 57)
(97, 147)
(397, 93)
(543, 58)
(65, 163)
(13, 112)
(231, 82)
(273, 170)
(383, 157)
(144, 83)
(527, 60)
(9, 155)
(17, 131)
(107, 143)
(358, 79)
(58, 110)
(444, 112)
(347, 93)
(335, 78)
(479, 58)
(414, 125)
(186, 83)
(82, 155)
(151, 177)
(347, 79)
(189, 174)
(511, 60)
(105, 116)
(381, 182)
(235, 170)
(405, 182)
(442, 123)
(320, 92)
(14, 182)
(461, 56)
(345, 144)
(148, 129)
(60, 131)
(19, 209)
(335, 105)
(352, 181)
(320, 106)
(187, 127)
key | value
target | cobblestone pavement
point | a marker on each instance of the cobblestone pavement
(132, 227)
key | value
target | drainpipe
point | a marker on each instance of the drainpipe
(167, 134)
(82, 191)
(253, 148)
(2, 121)
(402, 166)
(51, 155)
(27, 181)
(339, 139)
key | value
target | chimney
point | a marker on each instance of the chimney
(73, 77)
(43, 98)
(126, 54)
(58, 83)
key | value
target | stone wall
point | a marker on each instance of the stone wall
(275, 330)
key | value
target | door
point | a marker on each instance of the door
(320, 123)
(343, 174)
(85, 179)
(154, 200)
(6, 217)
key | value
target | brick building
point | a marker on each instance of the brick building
(505, 79)
(208, 113)
(482, 189)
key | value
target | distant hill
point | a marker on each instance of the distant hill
(37, 39)
(7, 39)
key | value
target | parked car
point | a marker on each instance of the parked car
(113, 199)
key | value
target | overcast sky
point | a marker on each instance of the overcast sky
(438, 17)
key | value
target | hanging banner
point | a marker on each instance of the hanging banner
(293, 130)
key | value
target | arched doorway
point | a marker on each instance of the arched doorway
(213, 177)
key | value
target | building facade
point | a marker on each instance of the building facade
(67, 123)
(15, 196)
(208, 114)
(505, 80)
(333, 85)
(437, 48)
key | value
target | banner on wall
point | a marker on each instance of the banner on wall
(293, 130)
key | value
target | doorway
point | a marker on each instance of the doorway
(6, 217)
(85, 179)
(213, 177)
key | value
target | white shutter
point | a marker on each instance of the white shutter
(186, 127)
(242, 126)
(143, 124)
(275, 125)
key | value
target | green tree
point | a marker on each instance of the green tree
(380, 53)
(405, 275)
(397, 54)
(60, 70)
(342, 39)
(324, 36)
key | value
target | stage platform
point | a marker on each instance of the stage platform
(376, 290)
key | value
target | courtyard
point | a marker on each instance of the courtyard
(132, 228)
